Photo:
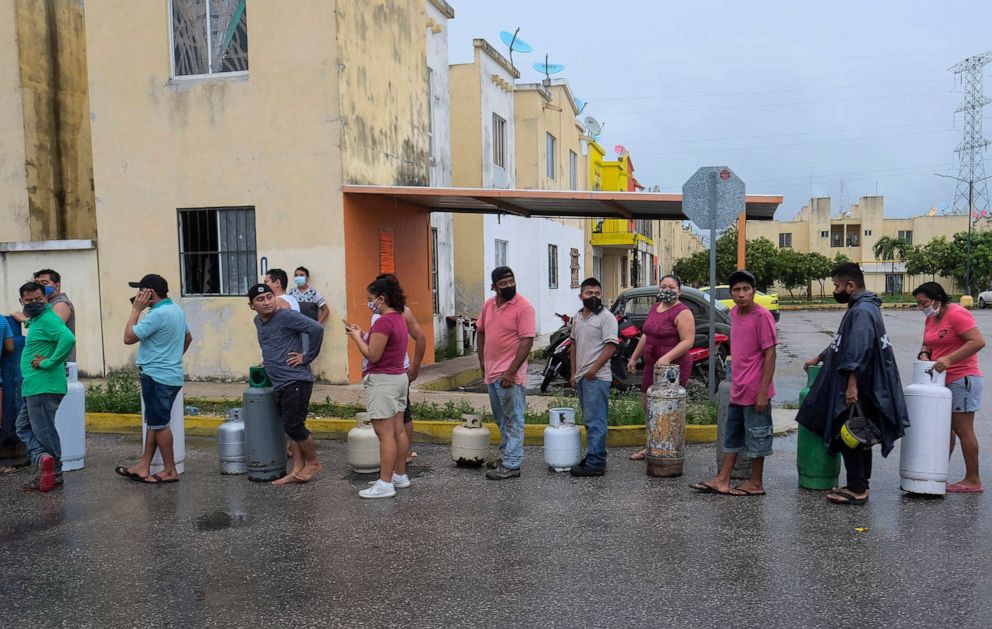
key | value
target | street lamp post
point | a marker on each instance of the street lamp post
(971, 212)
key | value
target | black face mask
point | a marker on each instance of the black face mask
(34, 309)
(842, 297)
(508, 293)
(593, 304)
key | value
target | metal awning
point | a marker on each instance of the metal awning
(556, 203)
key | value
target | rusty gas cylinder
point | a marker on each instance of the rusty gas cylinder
(666, 423)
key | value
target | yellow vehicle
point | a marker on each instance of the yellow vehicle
(768, 300)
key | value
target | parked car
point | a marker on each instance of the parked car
(636, 303)
(768, 300)
(985, 298)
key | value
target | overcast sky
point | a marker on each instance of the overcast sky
(857, 91)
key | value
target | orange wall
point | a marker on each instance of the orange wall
(364, 216)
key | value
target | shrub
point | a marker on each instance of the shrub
(121, 393)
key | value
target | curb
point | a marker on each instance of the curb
(424, 431)
(800, 307)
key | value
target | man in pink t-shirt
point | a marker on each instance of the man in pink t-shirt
(506, 329)
(749, 416)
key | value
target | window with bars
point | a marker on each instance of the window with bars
(785, 241)
(552, 266)
(906, 235)
(574, 267)
(499, 141)
(501, 252)
(824, 234)
(434, 272)
(551, 155)
(208, 37)
(217, 250)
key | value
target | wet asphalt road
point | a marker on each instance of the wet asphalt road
(456, 550)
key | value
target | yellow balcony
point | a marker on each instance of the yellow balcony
(619, 232)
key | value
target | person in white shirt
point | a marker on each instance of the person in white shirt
(276, 279)
(305, 293)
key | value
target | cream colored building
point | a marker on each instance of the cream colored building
(217, 156)
(854, 232)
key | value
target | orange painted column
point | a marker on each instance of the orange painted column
(741, 239)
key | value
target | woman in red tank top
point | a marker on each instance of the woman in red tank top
(666, 339)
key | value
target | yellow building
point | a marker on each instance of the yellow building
(217, 156)
(854, 232)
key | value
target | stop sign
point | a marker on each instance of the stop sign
(713, 197)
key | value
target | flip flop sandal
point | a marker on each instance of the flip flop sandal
(844, 498)
(4, 471)
(640, 455)
(706, 488)
(122, 471)
(955, 488)
(160, 481)
(745, 492)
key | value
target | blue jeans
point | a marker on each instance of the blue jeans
(508, 411)
(36, 427)
(594, 398)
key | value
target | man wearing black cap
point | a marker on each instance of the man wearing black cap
(506, 329)
(281, 334)
(164, 339)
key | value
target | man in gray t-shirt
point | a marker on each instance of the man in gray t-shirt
(594, 341)
(287, 363)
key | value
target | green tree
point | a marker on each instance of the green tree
(820, 267)
(891, 249)
(761, 259)
(840, 259)
(793, 269)
(981, 259)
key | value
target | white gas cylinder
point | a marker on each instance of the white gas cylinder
(363, 446)
(562, 440)
(470, 442)
(923, 451)
(177, 423)
(70, 422)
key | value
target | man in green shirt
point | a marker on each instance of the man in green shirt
(46, 347)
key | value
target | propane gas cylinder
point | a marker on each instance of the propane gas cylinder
(363, 446)
(231, 444)
(470, 442)
(562, 440)
(923, 449)
(666, 423)
(70, 422)
(264, 436)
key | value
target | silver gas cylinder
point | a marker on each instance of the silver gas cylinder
(470, 442)
(231, 448)
(363, 446)
(562, 440)
(666, 423)
(265, 439)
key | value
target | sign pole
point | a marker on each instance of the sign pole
(713, 282)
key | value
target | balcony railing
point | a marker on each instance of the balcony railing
(620, 232)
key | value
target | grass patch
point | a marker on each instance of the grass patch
(121, 393)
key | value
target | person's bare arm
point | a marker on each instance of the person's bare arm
(973, 343)
(141, 301)
(372, 351)
(480, 341)
(605, 355)
(571, 362)
(420, 344)
(851, 395)
(523, 352)
(63, 311)
(767, 373)
(187, 341)
(632, 363)
(322, 313)
(8, 345)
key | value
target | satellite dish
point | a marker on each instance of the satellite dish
(580, 105)
(514, 44)
(619, 149)
(592, 125)
(547, 69)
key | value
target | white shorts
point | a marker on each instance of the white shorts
(385, 394)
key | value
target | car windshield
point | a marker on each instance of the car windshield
(719, 305)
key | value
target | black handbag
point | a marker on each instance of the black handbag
(859, 431)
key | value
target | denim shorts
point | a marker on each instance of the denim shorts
(158, 399)
(748, 431)
(966, 394)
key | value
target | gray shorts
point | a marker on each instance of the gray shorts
(966, 394)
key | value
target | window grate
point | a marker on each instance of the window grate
(209, 37)
(499, 141)
(552, 266)
(217, 253)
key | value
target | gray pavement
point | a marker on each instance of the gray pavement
(456, 550)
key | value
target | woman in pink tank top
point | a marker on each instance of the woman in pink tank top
(666, 339)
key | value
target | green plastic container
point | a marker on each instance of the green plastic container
(818, 469)
(257, 378)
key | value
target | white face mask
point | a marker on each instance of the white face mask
(930, 311)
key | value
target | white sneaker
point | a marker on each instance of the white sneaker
(378, 490)
(400, 482)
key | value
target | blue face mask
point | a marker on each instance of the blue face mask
(49, 290)
(300, 280)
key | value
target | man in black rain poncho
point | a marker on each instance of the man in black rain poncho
(858, 366)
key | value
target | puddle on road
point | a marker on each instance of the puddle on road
(219, 520)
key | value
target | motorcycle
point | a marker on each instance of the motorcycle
(556, 354)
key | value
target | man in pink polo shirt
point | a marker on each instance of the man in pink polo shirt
(505, 336)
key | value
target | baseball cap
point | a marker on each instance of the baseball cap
(741, 276)
(256, 290)
(155, 282)
(500, 272)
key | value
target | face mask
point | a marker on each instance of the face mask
(300, 280)
(508, 293)
(842, 297)
(594, 304)
(930, 311)
(372, 304)
(668, 295)
(49, 290)
(34, 309)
